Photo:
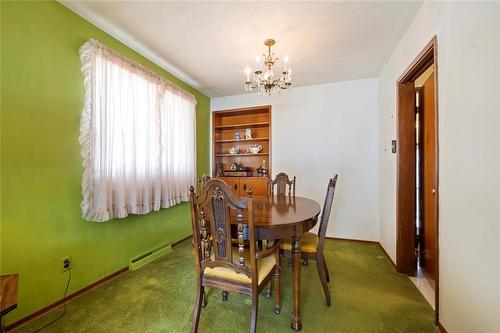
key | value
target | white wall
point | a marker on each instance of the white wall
(469, 156)
(321, 130)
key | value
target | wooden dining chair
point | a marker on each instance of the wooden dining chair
(234, 241)
(222, 266)
(311, 244)
(282, 181)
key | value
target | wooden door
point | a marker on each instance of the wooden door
(257, 184)
(234, 183)
(406, 261)
(429, 181)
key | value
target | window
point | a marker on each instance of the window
(137, 135)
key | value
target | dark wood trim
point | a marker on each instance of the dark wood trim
(353, 240)
(181, 240)
(406, 261)
(423, 60)
(441, 328)
(59, 303)
(428, 56)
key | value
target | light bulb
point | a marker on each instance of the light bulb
(247, 70)
(259, 62)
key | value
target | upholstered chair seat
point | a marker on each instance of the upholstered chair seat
(308, 243)
(264, 267)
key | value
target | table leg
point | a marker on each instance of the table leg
(296, 259)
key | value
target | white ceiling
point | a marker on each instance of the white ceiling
(209, 44)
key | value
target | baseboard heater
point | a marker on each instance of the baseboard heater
(149, 256)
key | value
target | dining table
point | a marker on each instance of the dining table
(286, 217)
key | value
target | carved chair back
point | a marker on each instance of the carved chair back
(282, 181)
(211, 214)
(204, 179)
(325, 215)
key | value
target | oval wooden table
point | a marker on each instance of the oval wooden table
(285, 217)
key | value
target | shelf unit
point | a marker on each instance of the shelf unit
(225, 123)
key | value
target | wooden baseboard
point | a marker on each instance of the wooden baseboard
(441, 328)
(353, 240)
(182, 240)
(59, 303)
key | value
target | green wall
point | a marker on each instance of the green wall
(41, 102)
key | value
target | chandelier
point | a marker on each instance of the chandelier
(263, 79)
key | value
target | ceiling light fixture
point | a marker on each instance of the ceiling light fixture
(263, 79)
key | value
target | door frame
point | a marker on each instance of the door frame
(405, 162)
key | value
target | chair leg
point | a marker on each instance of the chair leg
(225, 296)
(204, 302)
(326, 268)
(277, 286)
(269, 289)
(322, 277)
(255, 310)
(197, 307)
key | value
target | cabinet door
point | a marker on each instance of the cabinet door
(257, 184)
(234, 183)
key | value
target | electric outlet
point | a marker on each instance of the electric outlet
(66, 263)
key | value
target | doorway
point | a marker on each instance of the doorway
(417, 173)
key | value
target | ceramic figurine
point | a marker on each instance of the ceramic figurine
(248, 133)
(234, 150)
(237, 135)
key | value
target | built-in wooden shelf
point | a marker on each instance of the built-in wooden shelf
(242, 154)
(225, 125)
(242, 125)
(241, 140)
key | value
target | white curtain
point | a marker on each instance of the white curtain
(137, 135)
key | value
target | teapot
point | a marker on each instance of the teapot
(254, 149)
(234, 150)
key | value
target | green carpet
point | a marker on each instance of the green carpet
(367, 296)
